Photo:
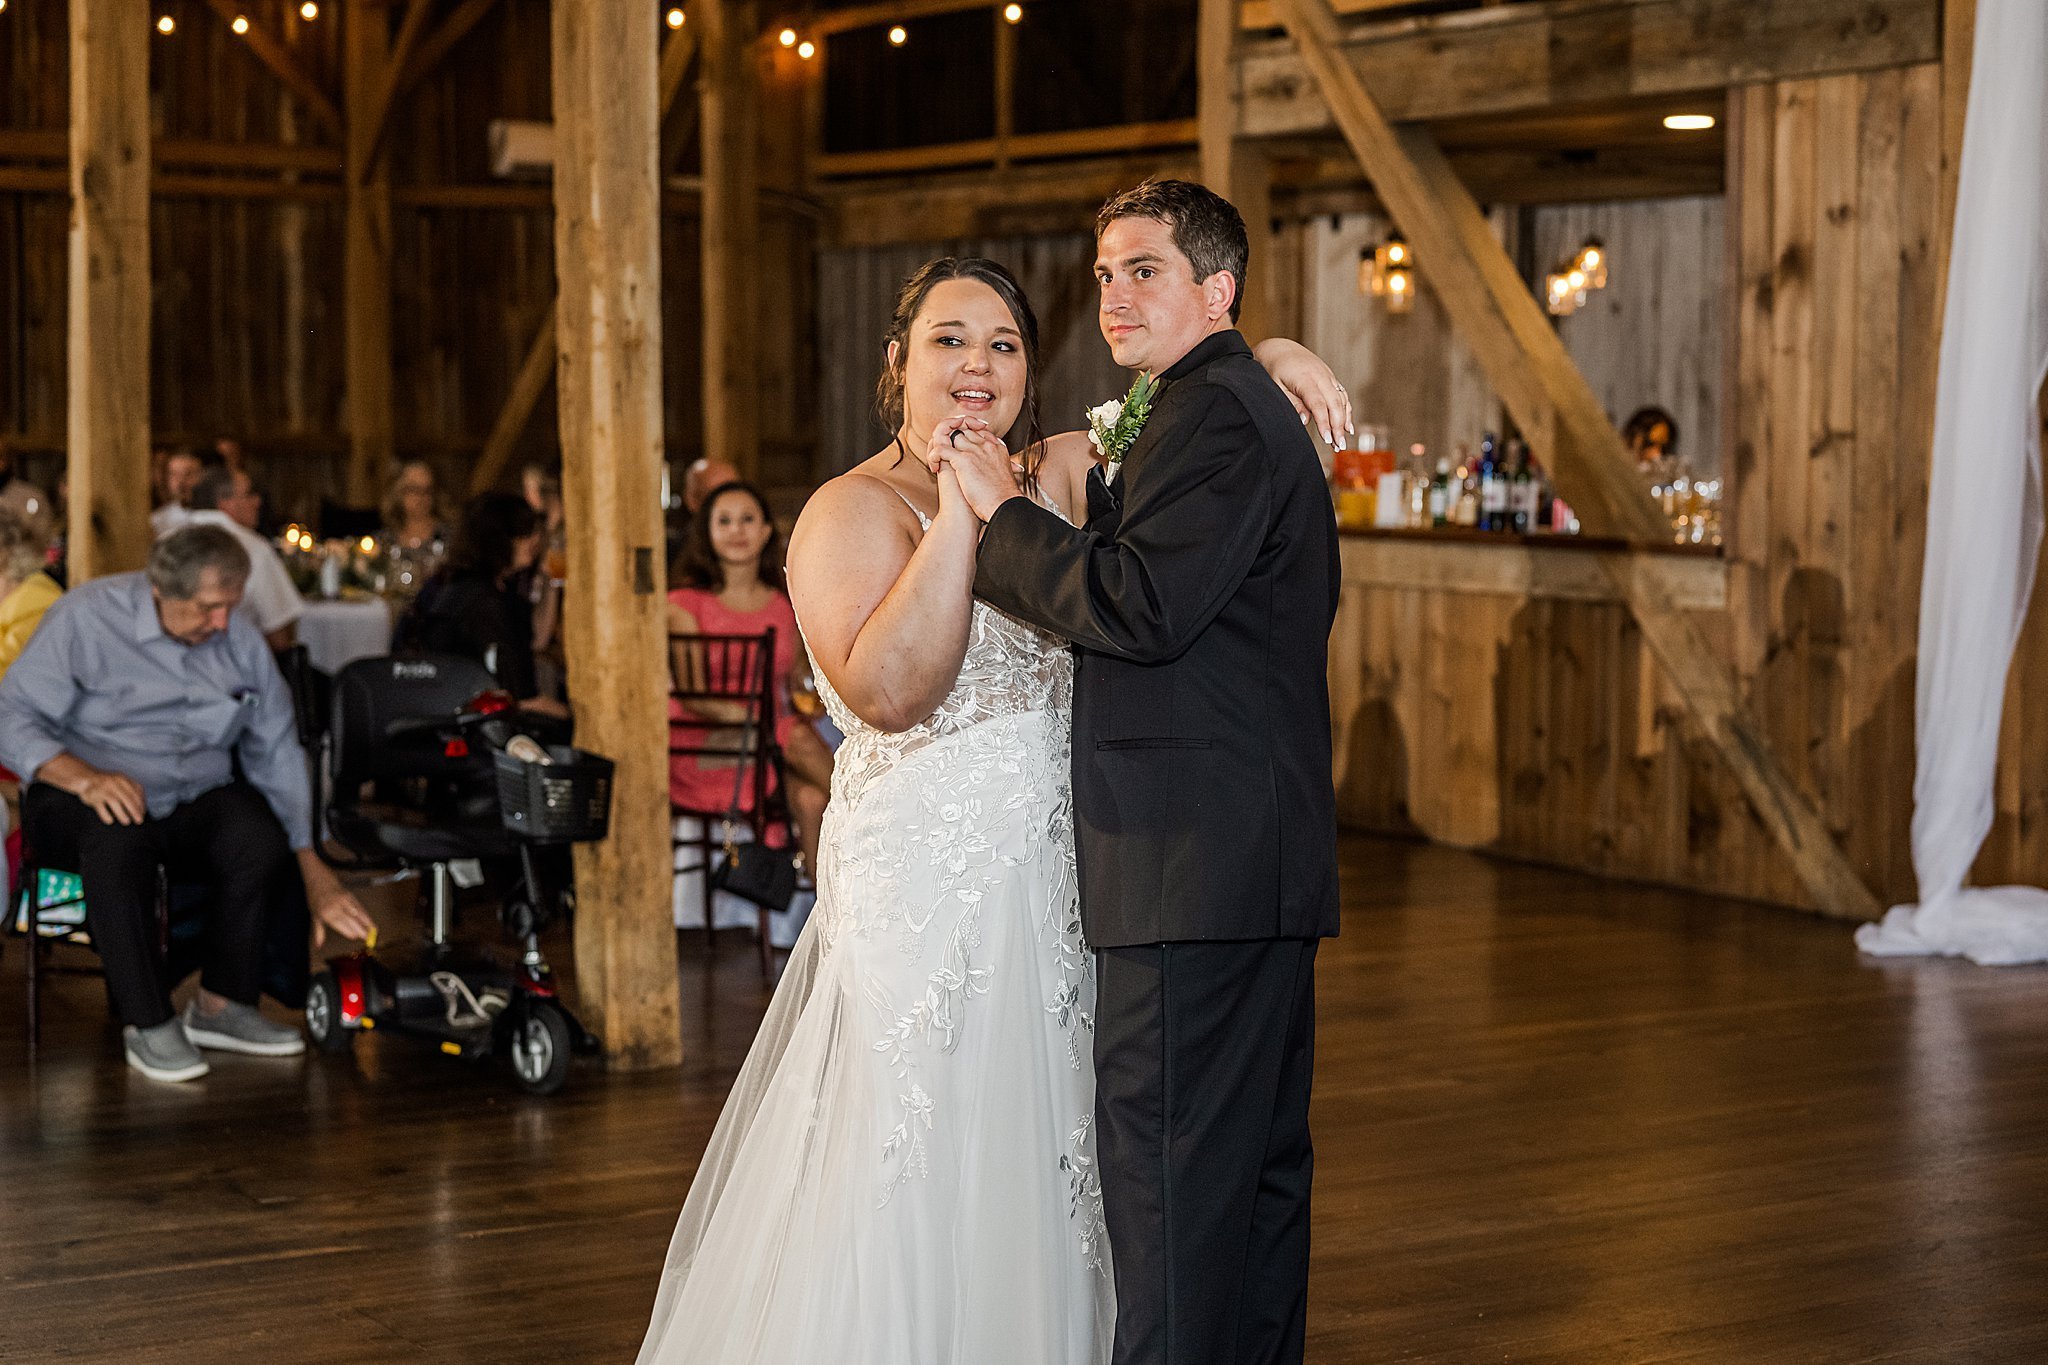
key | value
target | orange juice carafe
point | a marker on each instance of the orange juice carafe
(1352, 488)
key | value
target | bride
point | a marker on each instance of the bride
(904, 1173)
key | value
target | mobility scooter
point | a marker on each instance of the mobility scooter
(425, 767)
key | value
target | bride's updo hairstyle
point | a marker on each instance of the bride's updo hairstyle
(910, 302)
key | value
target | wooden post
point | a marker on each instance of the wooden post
(1535, 376)
(1235, 168)
(731, 226)
(608, 335)
(367, 378)
(108, 382)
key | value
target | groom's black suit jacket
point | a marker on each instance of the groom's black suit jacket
(1199, 596)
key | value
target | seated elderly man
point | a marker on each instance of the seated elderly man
(128, 709)
(227, 498)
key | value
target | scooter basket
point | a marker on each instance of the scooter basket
(566, 801)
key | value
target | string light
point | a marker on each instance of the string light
(1013, 14)
(241, 24)
(309, 11)
(675, 18)
(3, 6)
(807, 49)
(787, 37)
(898, 36)
(1688, 123)
(167, 25)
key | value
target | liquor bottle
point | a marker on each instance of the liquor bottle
(1467, 493)
(1493, 490)
(1522, 491)
(1440, 493)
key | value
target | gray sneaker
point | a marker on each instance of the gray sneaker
(163, 1053)
(241, 1028)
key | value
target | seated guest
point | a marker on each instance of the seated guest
(474, 607)
(129, 710)
(182, 469)
(226, 498)
(703, 476)
(26, 588)
(412, 509)
(730, 582)
(23, 499)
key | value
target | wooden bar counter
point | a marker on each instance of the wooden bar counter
(1491, 691)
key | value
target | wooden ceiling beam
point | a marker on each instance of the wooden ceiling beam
(284, 66)
(1539, 56)
(537, 368)
(1527, 364)
(441, 42)
(389, 86)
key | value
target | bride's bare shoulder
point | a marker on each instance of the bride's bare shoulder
(852, 503)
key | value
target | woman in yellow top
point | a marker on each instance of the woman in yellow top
(26, 591)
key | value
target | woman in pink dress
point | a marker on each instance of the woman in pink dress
(730, 582)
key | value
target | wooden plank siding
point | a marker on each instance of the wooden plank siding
(1833, 224)
(247, 295)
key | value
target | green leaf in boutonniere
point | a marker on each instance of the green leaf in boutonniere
(1113, 427)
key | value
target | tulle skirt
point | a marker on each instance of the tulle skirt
(904, 1173)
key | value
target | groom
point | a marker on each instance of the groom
(1200, 597)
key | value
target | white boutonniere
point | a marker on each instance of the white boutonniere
(1113, 427)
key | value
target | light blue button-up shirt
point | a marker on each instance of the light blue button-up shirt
(101, 681)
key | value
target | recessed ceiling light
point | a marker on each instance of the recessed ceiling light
(675, 18)
(167, 25)
(1688, 123)
(899, 35)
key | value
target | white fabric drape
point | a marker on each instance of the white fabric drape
(1984, 516)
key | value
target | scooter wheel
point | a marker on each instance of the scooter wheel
(323, 1015)
(541, 1046)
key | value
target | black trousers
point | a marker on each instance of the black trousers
(1204, 1053)
(227, 840)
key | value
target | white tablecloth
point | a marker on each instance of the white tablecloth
(338, 633)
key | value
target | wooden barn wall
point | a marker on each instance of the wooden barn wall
(1655, 336)
(248, 290)
(857, 291)
(1535, 723)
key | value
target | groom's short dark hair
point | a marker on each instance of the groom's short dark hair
(1206, 227)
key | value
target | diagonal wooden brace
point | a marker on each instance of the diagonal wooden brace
(1536, 378)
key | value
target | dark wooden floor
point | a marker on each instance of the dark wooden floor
(1558, 1120)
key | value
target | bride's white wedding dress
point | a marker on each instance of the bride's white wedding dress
(905, 1170)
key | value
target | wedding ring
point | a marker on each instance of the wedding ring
(954, 439)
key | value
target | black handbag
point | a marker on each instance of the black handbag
(752, 871)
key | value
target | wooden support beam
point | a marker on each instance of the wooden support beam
(608, 262)
(1235, 168)
(436, 46)
(367, 147)
(537, 371)
(1560, 53)
(275, 55)
(367, 377)
(678, 58)
(729, 88)
(1123, 138)
(108, 383)
(1506, 328)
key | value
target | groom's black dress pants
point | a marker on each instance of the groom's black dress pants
(1204, 1054)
